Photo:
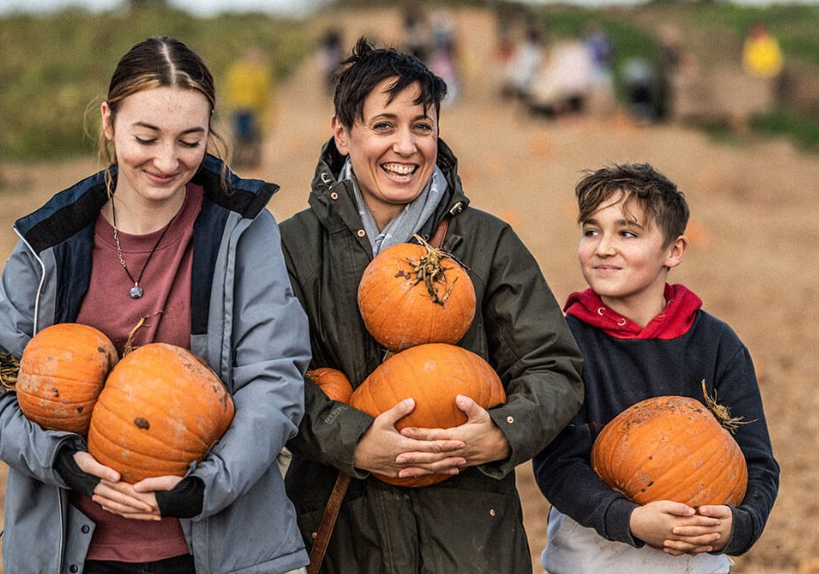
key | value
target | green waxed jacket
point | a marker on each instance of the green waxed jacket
(469, 523)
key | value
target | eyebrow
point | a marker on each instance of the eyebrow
(157, 129)
(619, 222)
(387, 116)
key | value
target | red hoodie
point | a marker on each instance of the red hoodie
(675, 320)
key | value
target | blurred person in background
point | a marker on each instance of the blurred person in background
(601, 82)
(564, 80)
(524, 65)
(761, 54)
(250, 101)
(329, 55)
(643, 90)
(166, 232)
(444, 55)
(417, 32)
(383, 177)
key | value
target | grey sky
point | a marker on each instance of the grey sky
(283, 7)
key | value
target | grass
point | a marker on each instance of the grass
(805, 134)
(54, 67)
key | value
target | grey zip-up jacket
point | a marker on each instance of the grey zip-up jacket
(245, 322)
(470, 523)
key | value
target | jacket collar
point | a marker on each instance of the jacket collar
(78, 206)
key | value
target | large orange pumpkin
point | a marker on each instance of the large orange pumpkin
(414, 294)
(433, 374)
(161, 409)
(333, 382)
(670, 448)
(62, 371)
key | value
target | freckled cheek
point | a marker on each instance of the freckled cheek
(585, 251)
(192, 159)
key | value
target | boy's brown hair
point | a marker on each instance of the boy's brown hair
(662, 203)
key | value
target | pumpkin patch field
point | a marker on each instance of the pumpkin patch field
(752, 257)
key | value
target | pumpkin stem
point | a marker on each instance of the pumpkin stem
(721, 412)
(129, 343)
(9, 367)
(429, 270)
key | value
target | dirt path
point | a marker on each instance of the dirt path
(753, 225)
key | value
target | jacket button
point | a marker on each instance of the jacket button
(334, 196)
(314, 534)
(361, 233)
(73, 568)
(85, 529)
(491, 512)
(510, 419)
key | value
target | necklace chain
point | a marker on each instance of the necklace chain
(136, 291)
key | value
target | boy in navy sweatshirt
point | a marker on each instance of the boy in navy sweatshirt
(642, 337)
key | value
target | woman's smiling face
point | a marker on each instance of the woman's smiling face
(393, 149)
(160, 136)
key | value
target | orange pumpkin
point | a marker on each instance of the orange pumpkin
(333, 382)
(432, 374)
(414, 294)
(670, 448)
(161, 410)
(62, 371)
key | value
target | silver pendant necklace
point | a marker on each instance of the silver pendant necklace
(136, 291)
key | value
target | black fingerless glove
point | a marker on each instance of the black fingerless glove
(76, 479)
(184, 501)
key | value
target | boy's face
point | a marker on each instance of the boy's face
(623, 259)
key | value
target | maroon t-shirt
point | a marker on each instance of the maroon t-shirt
(166, 306)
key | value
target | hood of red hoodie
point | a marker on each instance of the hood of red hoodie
(676, 319)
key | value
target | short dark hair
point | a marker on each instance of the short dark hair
(367, 66)
(659, 197)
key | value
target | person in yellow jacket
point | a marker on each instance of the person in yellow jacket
(761, 56)
(249, 95)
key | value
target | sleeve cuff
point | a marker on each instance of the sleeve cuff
(617, 520)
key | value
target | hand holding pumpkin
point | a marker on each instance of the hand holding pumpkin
(380, 447)
(121, 498)
(724, 526)
(483, 441)
(110, 493)
(674, 527)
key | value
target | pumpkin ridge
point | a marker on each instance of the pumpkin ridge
(152, 454)
(142, 462)
(58, 401)
(61, 377)
(670, 486)
(151, 436)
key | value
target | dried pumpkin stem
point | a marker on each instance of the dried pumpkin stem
(129, 343)
(721, 412)
(9, 367)
(428, 269)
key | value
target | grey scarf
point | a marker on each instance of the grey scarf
(409, 221)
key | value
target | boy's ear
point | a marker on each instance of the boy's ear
(675, 252)
(340, 135)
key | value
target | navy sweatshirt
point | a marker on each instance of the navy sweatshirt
(621, 368)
